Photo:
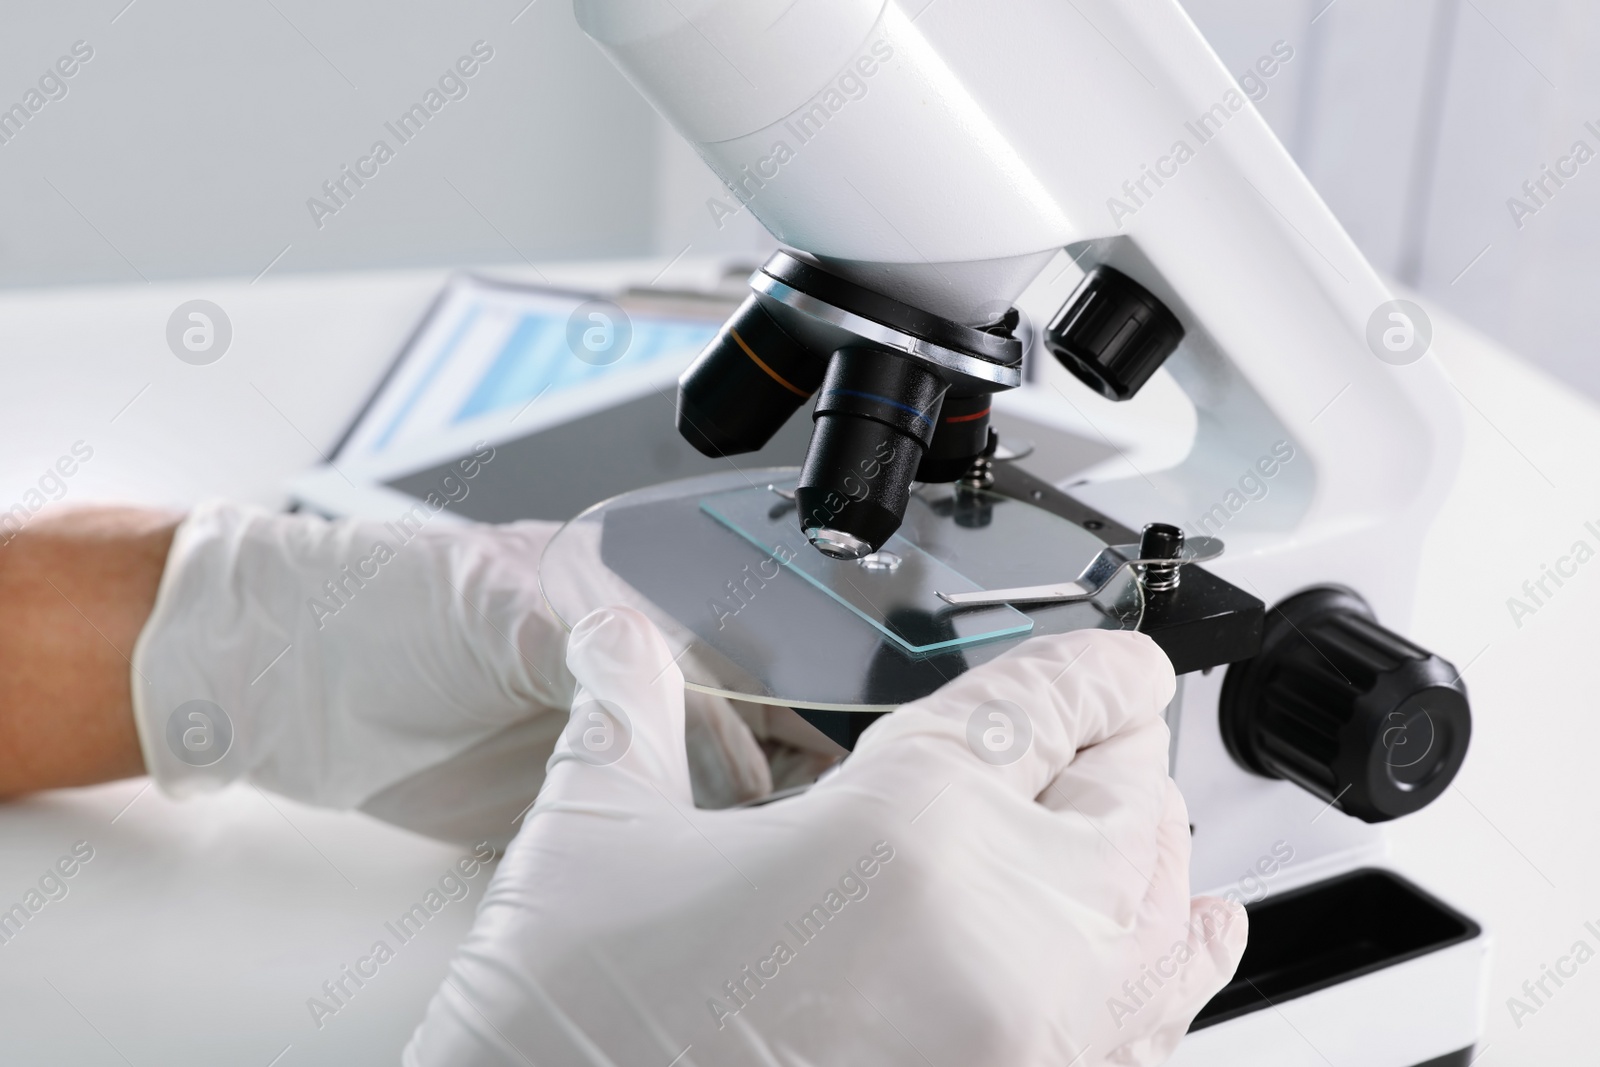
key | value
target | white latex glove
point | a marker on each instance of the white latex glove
(920, 905)
(422, 681)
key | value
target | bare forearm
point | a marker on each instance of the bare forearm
(75, 590)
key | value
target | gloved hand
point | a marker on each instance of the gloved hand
(922, 904)
(408, 668)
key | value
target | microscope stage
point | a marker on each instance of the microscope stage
(755, 613)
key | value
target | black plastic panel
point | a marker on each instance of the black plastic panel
(1331, 932)
(1459, 1058)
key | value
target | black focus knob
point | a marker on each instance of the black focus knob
(1346, 709)
(1113, 334)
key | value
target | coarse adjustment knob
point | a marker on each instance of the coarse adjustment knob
(1112, 334)
(1337, 704)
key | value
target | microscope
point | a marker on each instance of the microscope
(923, 163)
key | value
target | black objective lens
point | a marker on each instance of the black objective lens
(874, 418)
(745, 385)
(959, 438)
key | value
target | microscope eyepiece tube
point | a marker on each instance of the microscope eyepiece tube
(745, 385)
(875, 416)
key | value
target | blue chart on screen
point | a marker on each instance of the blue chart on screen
(496, 351)
(535, 358)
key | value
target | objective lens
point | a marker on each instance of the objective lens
(959, 438)
(875, 414)
(745, 385)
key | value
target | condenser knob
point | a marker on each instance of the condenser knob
(1112, 333)
(1355, 714)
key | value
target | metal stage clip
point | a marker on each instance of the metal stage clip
(1100, 572)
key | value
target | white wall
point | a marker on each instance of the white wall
(1418, 120)
(1521, 92)
(190, 142)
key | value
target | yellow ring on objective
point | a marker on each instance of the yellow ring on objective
(774, 375)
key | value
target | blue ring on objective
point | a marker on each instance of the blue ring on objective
(883, 400)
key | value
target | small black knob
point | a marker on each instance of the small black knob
(1353, 713)
(1161, 540)
(1113, 334)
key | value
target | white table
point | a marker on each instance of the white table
(198, 931)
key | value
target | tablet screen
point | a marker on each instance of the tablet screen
(495, 359)
(572, 396)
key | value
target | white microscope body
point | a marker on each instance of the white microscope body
(942, 153)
